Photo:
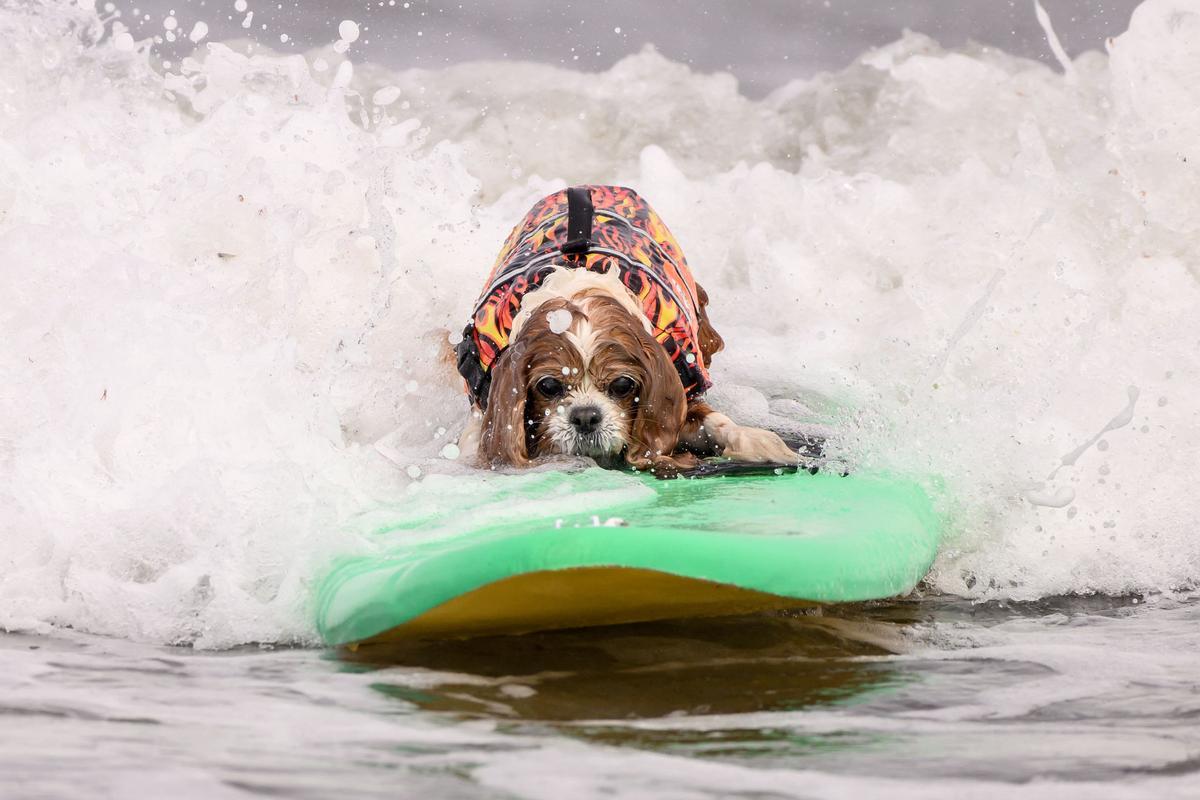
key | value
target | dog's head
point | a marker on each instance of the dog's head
(583, 377)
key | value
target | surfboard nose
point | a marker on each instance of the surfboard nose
(744, 544)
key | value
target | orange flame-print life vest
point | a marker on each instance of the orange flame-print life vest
(594, 228)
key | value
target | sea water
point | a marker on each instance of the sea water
(230, 285)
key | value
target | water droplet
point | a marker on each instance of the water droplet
(348, 30)
(386, 96)
(559, 320)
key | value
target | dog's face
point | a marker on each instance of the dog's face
(583, 378)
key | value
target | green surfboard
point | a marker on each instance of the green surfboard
(518, 553)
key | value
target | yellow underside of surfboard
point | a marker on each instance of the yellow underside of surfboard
(581, 597)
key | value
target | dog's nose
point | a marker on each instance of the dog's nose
(585, 419)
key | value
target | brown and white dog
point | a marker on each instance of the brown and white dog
(582, 375)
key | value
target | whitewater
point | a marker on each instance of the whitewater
(228, 287)
(230, 284)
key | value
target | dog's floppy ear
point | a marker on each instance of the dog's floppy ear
(661, 411)
(711, 342)
(502, 439)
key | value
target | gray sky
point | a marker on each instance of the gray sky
(764, 43)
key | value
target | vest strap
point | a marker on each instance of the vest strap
(478, 380)
(579, 220)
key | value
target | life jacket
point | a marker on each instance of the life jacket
(594, 228)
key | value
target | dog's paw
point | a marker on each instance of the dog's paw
(758, 445)
(666, 467)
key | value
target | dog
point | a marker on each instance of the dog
(591, 338)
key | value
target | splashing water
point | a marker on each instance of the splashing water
(229, 288)
(560, 320)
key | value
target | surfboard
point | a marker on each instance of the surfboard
(508, 554)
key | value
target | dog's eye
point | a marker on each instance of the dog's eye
(550, 387)
(621, 387)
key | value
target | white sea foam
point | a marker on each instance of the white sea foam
(228, 292)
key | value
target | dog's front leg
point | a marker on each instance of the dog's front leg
(468, 441)
(710, 432)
